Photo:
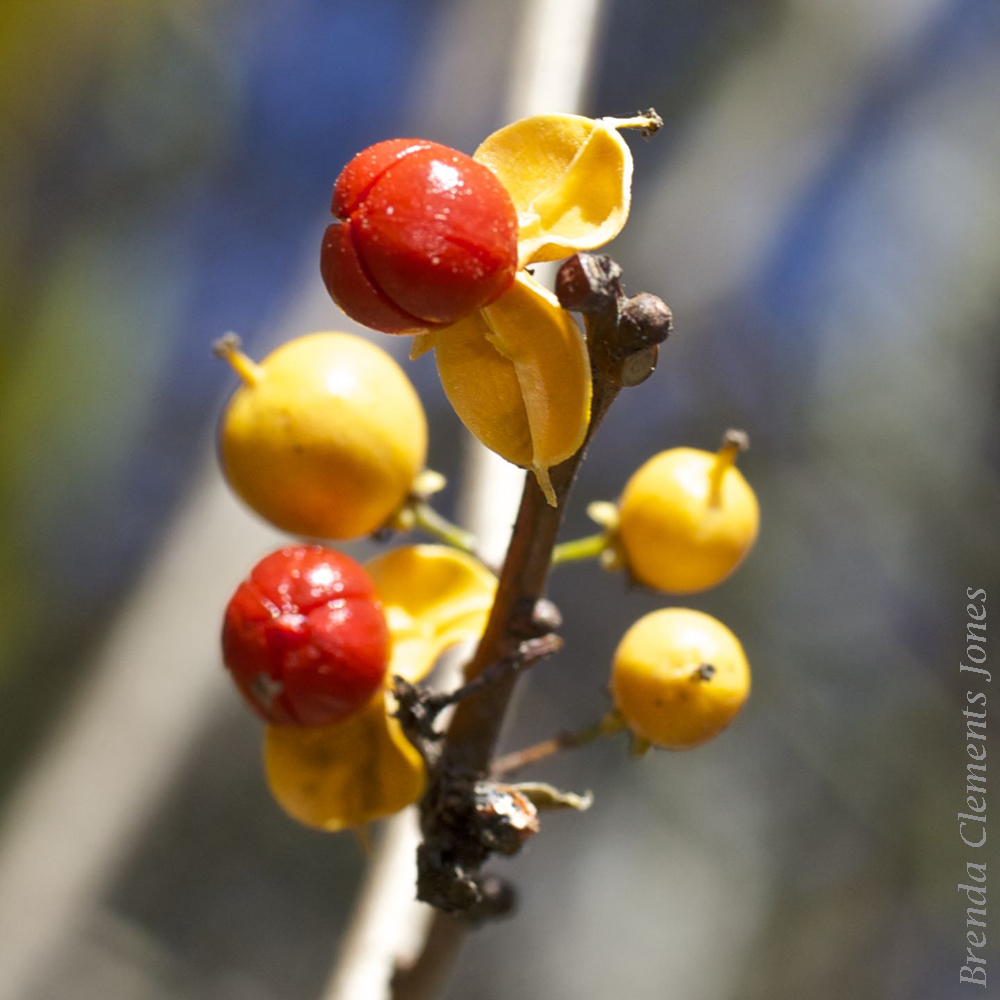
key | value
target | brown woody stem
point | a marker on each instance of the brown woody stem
(622, 337)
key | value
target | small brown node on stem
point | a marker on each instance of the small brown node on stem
(646, 319)
(534, 619)
(417, 711)
(623, 332)
(507, 817)
(588, 283)
(636, 368)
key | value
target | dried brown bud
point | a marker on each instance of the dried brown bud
(506, 817)
(645, 320)
(588, 282)
(637, 367)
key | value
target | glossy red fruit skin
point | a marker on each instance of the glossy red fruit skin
(305, 638)
(424, 235)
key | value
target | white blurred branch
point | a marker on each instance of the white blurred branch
(390, 928)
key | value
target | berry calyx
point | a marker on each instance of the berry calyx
(679, 677)
(305, 637)
(325, 436)
(424, 235)
(687, 518)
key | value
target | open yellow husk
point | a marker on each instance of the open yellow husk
(570, 178)
(346, 774)
(434, 597)
(518, 375)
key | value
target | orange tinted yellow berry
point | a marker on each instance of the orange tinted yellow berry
(679, 677)
(325, 436)
(687, 519)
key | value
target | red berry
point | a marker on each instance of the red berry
(305, 637)
(424, 234)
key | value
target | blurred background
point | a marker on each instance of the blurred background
(821, 212)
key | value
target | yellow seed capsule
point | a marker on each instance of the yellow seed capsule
(325, 436)
(433, 597)
(346, 774)
(518, 375)
(570, 179)
(679, 677)
(688, 518)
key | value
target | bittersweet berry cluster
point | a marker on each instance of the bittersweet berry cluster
(327, 439)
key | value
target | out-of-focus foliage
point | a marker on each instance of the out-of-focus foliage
(165, 169)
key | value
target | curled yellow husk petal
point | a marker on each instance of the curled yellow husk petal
(422, 343)
(434, 597)
(518, 375)
(343, 775)
(570, 179)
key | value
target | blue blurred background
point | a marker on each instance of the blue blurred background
(821, 212)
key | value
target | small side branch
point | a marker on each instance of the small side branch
(516, 760)
(419, 708)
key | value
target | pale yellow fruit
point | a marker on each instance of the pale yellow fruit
(517, 373)
(325, 436)
(687, 519)
(343, 775)
(679, 678)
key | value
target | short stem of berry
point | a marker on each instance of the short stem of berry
(577, 549)
(227, 347)
(649, 122)
(429, 520)
(733, 442)
(611, 723)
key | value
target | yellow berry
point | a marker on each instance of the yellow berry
(325, 436)
(679, 677)
(687, 519)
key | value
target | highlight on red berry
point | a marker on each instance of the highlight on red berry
(305, 638)
(424, 235)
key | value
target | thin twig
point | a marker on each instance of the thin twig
(428, 520)
(420, 707)
(611, 723)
